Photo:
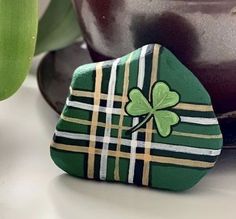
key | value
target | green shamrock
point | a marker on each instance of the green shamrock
(162, 98)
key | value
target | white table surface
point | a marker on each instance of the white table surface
(31, 186)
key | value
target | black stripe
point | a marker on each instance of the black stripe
(103, 103)
(97, 162)
(68, 141)
(117, 104)
(87, 100)
(99, 145)
(124, 148)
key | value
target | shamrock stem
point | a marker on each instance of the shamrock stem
(139, 125)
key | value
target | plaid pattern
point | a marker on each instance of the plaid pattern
(99, 137)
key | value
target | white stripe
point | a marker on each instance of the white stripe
(199, 120)
(141, 72)
(91, 107)
(107, 133)
(158, 146)
(141, 75)
(194, 120)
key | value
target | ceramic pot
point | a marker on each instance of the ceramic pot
(202, 34)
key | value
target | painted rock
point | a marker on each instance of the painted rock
(141, 119)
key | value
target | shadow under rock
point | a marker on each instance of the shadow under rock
(68, 193)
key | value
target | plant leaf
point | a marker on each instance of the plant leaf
(138, 104)
(18, 29)
(58, 27)
(162, 97)
(164, 120)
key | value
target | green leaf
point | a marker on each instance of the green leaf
(18, 29)
(58, 27)
(164, 120)
(138, 104)
(162, 97)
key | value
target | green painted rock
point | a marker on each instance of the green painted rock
(142, 119)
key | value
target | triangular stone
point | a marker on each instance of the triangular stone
(142, 119)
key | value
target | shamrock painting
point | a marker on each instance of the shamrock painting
(159, 108)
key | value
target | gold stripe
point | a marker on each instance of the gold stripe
(149, 125)
(194, 107)
(182, 162)
(152, 158)
(180, 106)
(123, 102)
(192, 135)
(97, 96)
(111, 126)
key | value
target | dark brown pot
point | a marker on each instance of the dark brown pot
(202, 34)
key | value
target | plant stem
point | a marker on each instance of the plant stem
(139, 125)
